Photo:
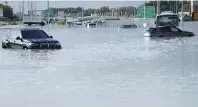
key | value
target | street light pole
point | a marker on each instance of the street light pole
(157, 7)
(117, 12)
(192, 6)
(22, 11)
(48, 14)
(144, 10)
(182, 10)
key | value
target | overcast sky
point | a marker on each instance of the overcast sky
(40, 5)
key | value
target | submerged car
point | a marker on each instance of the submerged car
(167, 31)
(29, 38)
(128, 26)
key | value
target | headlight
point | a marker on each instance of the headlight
(147, 34)
(58, 43)
(29, 43)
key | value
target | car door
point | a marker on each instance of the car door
(163, 32)
(13, 41)
(18, 43)
(6, 38)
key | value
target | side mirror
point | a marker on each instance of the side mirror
(18, 38)
(179, 20)
(155, 22)
(51, 36)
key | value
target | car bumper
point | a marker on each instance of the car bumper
(147, 34)
(45, 46)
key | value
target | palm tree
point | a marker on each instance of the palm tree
(6, 2)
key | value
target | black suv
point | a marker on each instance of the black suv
(29, 38)
(167, 31)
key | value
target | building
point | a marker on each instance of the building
(19, 15)
(1, 12)
(194, 6)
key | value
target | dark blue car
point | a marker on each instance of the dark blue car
(29, 38)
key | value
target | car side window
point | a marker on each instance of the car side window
(152, 30)
(14, 34)
(18, 33)
(174, 29)
(8, 35)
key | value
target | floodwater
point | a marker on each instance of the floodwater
(102, 67)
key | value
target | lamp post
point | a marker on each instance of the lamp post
(182, 7)
(176, 7)
(192, 6)
(117, 12)
(157, 7)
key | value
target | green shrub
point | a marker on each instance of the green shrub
(61, 23)
(12, 23)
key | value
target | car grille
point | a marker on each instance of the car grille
(48, 45)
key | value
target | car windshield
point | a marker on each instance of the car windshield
(33, 34)
(168, 20)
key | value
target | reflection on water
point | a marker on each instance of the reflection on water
(102, 67)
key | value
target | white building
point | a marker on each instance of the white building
(1, 12)
(61, 13)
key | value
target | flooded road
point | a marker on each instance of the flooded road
(102, 67)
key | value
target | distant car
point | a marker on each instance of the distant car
(29, 38)
(78, 23)
(128, 26)
(167, 31)
(99, 22)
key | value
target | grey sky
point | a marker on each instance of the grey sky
(40, 5)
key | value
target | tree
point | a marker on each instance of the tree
(6, 2)
(7, 11)
(105, 10)
(174, 6)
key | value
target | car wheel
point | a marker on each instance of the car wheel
(190, 35)
(42, 24)
(25, 47)
(161, 36)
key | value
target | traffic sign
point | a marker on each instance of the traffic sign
(49, 11)
(149, 12)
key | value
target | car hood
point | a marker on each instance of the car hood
(43, 40)
(187, 32)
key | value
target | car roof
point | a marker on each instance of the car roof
(29, 29)
(153, 28)
(164, 26)
(22, 29)
(167, 13)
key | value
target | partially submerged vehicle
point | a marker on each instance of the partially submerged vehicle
(36, 19)
(128, 26)
(99, 22)
(89, 24)
(29, 38)
(167, 31)
(78, 23)
(167, 18)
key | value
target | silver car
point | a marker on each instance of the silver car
(167, 31)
